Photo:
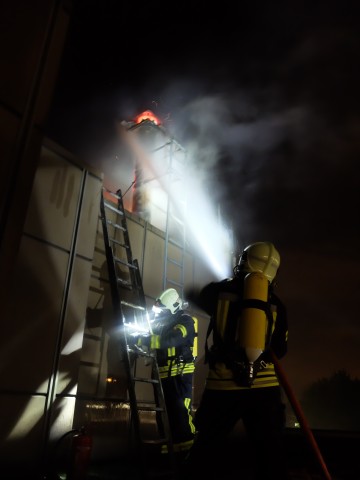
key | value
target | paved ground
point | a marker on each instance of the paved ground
(340, 455)
(339, 451)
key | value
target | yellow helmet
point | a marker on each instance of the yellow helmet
(259, 257)
(169, 300)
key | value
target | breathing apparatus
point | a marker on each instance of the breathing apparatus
(259, 262)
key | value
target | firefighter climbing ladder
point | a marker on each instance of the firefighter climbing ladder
(125, 287)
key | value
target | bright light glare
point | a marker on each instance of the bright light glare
(136, 327)
(202, 226)
(203, 229)
(213, 240)
(156, 309)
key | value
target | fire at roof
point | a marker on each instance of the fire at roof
(147, 115)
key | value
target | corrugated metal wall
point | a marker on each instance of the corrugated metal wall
(58, 344)
(102, 404)
(42, 335)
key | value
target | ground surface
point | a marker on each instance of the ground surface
(340, 453)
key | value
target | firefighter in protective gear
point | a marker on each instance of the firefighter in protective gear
(174, 337)
(230, 394)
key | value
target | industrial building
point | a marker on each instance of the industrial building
(59, 355)
(60, 368)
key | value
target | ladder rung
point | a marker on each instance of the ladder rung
(177, 244)
(110, 192)
(148, 408)
(141, 353)
(118, 260)
(145, 407)
(136, 307)
(114, 209)
(116, 225)
(175, 262)
(120, 244)
(124, 283)
(146, 380)
(174, 283)
(156, 441)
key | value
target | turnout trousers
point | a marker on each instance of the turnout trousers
(263, 415)
(178, 399)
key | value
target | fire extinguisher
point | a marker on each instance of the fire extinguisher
(80, 455)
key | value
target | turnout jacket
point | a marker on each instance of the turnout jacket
(223, 302)
(173, 338)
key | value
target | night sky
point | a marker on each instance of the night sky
(267, 95)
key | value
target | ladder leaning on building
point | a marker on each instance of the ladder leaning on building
(116, 238)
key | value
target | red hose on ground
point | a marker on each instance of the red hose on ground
(300, 415)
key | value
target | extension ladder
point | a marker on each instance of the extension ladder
(128, 302)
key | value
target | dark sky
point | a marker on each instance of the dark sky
(267, 94)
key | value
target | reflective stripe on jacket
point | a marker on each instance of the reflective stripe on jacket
(173, 339)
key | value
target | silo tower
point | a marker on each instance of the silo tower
(159, 190)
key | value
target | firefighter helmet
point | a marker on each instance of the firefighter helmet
(259, 257)
(169, 300)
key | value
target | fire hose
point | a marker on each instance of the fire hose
(300, 415)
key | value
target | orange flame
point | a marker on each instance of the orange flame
(147, 115)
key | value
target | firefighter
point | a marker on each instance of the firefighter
(174, 337)
(248, 323)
